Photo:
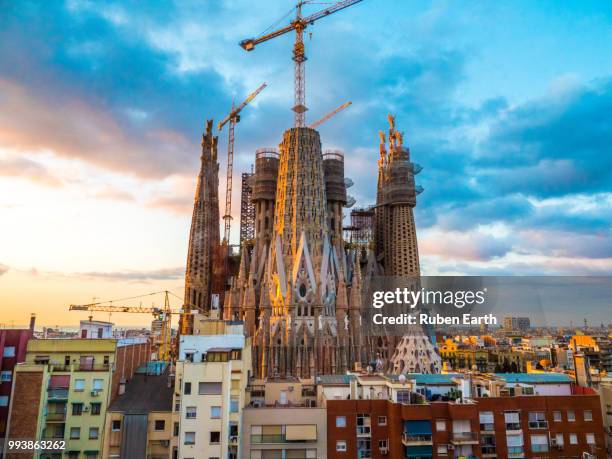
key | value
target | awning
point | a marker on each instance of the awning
(421, 427)
(301, 433)
(419, 451)
(59, 381)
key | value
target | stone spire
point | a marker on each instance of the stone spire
(204, 235)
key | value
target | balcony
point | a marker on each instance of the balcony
(516, 452)
(538, 424)
(53, 436)
(363, 431)
(464, 438)
(233, 439)
(513, 427)
(488, 451)
(91, 367)
(267, 439)
(487, 427)
(409, 439)
(309, 392)
(56, 417)
(57, 394)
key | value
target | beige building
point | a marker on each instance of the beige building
(211, 377)
(282, 420)
(139, 422)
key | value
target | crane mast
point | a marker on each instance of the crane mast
(298, 25)
(232, 118)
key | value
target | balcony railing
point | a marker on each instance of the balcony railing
(488, 450)
(53, 436)
(487, 427)
(513, 426)
(268, 438)
(55, 417)
(91, 367)
(464, 437)
(538, 424)
(57, 394)
(409, 439)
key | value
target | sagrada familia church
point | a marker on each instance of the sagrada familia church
(299, 287)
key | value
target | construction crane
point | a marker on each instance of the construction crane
(316, 124)
(299, 57)
(164, 314)
(233, 118)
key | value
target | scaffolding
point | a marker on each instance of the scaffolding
(247, 210)
(361, 230)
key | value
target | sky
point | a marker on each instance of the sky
(505, 104)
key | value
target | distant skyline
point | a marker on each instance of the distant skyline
(102, 105)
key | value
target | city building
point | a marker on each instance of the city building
(282, 419)
(211, 377)
(517, 323)
(95, 329)
(13, 342)
(62, 390)
(139, 422)
(565, 423)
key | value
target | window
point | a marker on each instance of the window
(116, 426)
(559, 439)
(6, 376)
(340, 421)
(96, 408)
(190, 412)
(93, 433)
(215, 412)
(363, 424)
(513, 420)
(382, 420)
(189, 438)
(75, 433)
(571, 416)
(588, 415)
(539, 443)
(383, 445)
(590, 438)
(98, 384)
(160, 424)
(573, 439)
(176, 427)
(215, 437)
(9, 351)
(79, 385)
(486, 421)
(557, 416)
(234, 402)
(403, 396)
(187, 390)
(209, 388)
(340, 445)
(537, 420)
(77, 409)
(442, 450)
(440, 425)
(106, 360)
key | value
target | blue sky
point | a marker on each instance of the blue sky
(506, 104)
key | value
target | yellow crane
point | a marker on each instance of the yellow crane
(299, 57)
(164, 314)
(233, 118)
(316, 124)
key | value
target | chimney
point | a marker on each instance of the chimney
(32, 322)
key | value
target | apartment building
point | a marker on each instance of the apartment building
(62, 391)
(282, 420)
(520, 424)
(212, 373)
(13, 342)
(139, 422)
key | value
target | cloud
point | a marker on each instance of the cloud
(27, 169)
(134, 275)
(3, 269)
(180, 205)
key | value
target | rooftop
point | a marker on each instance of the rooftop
(144, 394)
(535, 378)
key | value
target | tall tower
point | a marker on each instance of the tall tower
(397, 249)
(300, 296)
(204, 239)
